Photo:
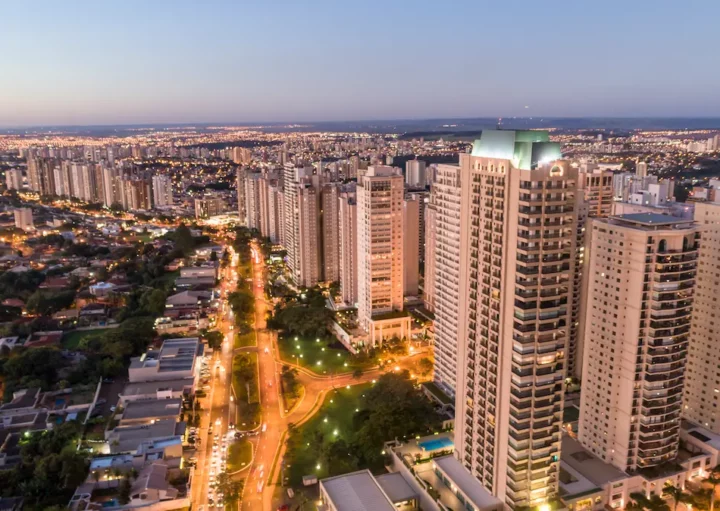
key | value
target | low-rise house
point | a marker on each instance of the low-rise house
(145, 412)
(102, 289)
(164, 389)
(189, 299)
(176, 359)
(129, 438)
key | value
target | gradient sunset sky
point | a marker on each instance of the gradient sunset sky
(154, 61)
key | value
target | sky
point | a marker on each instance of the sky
(171, 61)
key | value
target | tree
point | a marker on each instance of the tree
(713, 479)
(641, 502)
(183, 239)
(214, 339)
(153, 301)
(677, 494)
(124, 491)
(357, 373)
(288, 377)
(425, 365)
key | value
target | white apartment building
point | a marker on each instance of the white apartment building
(24, 218)
(162, 191)
(14, 179)
(594, 199)
(347, 232)
(430, 247)
(442, 264)
(252, 199)
(517, 263)
(380, 254)
(639, 286)
(240, 187)
(330, 232)
(702, 378)
(415, 173)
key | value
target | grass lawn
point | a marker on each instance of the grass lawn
(319, 357)
(71, 340)
(333, 421)
(239, 455)
(245, 340)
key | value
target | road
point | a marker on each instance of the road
(266, 467)
(217, 405)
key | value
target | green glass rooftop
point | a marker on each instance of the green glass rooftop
(526, 149)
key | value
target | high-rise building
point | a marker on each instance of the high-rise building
(162, 191)
(302, 224)
(516, 266)
(594, 200)
(640, 278)
(240, 187)
(641, 169)
(241, 155)
(208, 206)
(444, 269)
(24, 219)
(275, 217)
(702, 387)
(430, 248)
(347, 232)
(331, 231)
(415, 173)
(252, 199)
(14, 179)
(380, 254)
(411, 242)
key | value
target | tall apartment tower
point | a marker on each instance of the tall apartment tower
(330, 232)
(411, 242)
(24, 218)
(302, 224)
(516, 270)
(240, 186)
(415, 173)
(430, 248)
(594, 200)
(641, 168)
(702, 380)
(252, 199)
(640, 274)
(14, 179)
(162, 191)
(347, 232)
(442, 264)
(309, 271)
(380, 254)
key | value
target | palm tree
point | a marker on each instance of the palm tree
(701, 498)
(677, 494)
(640, 502)
(714, 480)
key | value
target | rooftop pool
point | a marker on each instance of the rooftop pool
(436, 444)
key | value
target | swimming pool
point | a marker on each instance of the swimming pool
(436, 443)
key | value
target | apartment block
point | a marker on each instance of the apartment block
(516, 265)
(347, 232)
(444, 266)
(702, 378)
(640, 280)
(380, 254)
(330, 232)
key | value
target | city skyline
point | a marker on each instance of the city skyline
(169, 63)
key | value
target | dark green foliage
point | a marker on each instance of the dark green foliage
(50, 470)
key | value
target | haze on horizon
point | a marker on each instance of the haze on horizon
(134, 62)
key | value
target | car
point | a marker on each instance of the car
(113, 408)
(284, 507)
(267, 350)
(264, 428)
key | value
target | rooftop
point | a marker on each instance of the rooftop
(467, 483)
(396, 487)
(357, 491)
(526, 149)
(587, 464)
(652, 220)
(151, 387)
(174, 355)
(152, 408)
